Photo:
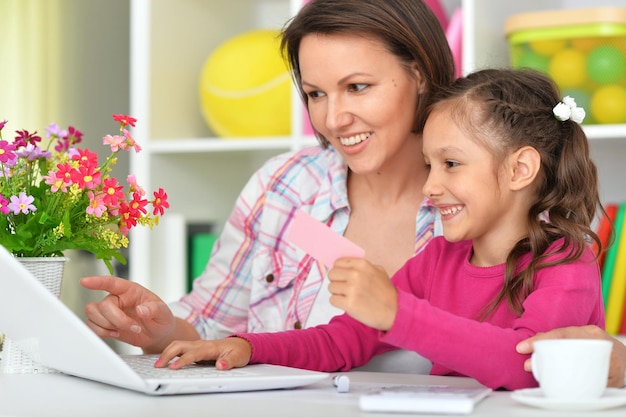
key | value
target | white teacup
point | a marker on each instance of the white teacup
(571, 369)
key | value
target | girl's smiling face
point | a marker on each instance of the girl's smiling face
(361, 98)
(468, 185)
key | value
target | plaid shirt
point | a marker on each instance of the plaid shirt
(256, 281)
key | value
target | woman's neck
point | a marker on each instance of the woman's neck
(400, 178)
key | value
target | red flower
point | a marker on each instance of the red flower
(75, 135)
(86, 158)
(65, 172)
(86, 177)
(138, 205)
(23, 138)
(112, 193)
(124, 120)
(160, 202)
(128, 218)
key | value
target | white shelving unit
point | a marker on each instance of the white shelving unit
(170, 39)
(202, 174)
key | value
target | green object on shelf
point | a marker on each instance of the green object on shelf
(200, 248)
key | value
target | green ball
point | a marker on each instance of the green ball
(531, 59)
(606, 64)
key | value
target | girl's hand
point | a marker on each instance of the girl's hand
(364, 291)
(231, 352)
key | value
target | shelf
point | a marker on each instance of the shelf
(201, 173)
(193, 145)
(212, 144)
(602, 132)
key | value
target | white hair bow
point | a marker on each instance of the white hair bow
(567, 109)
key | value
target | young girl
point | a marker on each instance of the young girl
(510, 173)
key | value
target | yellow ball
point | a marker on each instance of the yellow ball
(245, 87)
(548, 47)
(585, 44)
(608, 104)
(568, 69)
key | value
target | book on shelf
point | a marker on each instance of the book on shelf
(201, 238)
(622, 327)
(615, 304)
(611, 255)
(604, 232)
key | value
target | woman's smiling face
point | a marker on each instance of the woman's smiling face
(361, 98)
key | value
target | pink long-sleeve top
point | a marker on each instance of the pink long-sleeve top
(440, 296)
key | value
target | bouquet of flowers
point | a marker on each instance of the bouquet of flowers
(55, 196)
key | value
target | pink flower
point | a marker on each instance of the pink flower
(22, 203)
(32, 153)
(134, 187)
(130, 142)
(56, 181)
(6, 151)
(4, 204)
(96, 205)
(116, 142)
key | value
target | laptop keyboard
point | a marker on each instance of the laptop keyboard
(144, 366)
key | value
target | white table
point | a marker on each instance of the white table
(51, 395)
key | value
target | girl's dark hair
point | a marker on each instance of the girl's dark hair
(408, 28)
(508, 109)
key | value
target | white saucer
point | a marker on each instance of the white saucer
(612, 397)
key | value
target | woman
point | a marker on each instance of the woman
(366, 81)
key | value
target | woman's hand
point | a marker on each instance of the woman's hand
(231, 352)
(618, 355)
(133, 314)
(364, 291)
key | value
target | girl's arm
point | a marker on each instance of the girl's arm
(565, 295)
(341, 345)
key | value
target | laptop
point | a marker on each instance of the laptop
(32, 316)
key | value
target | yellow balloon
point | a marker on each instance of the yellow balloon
(244, 87)
(608, 104)
(568, 69)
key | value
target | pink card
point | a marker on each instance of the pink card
(320, 241)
